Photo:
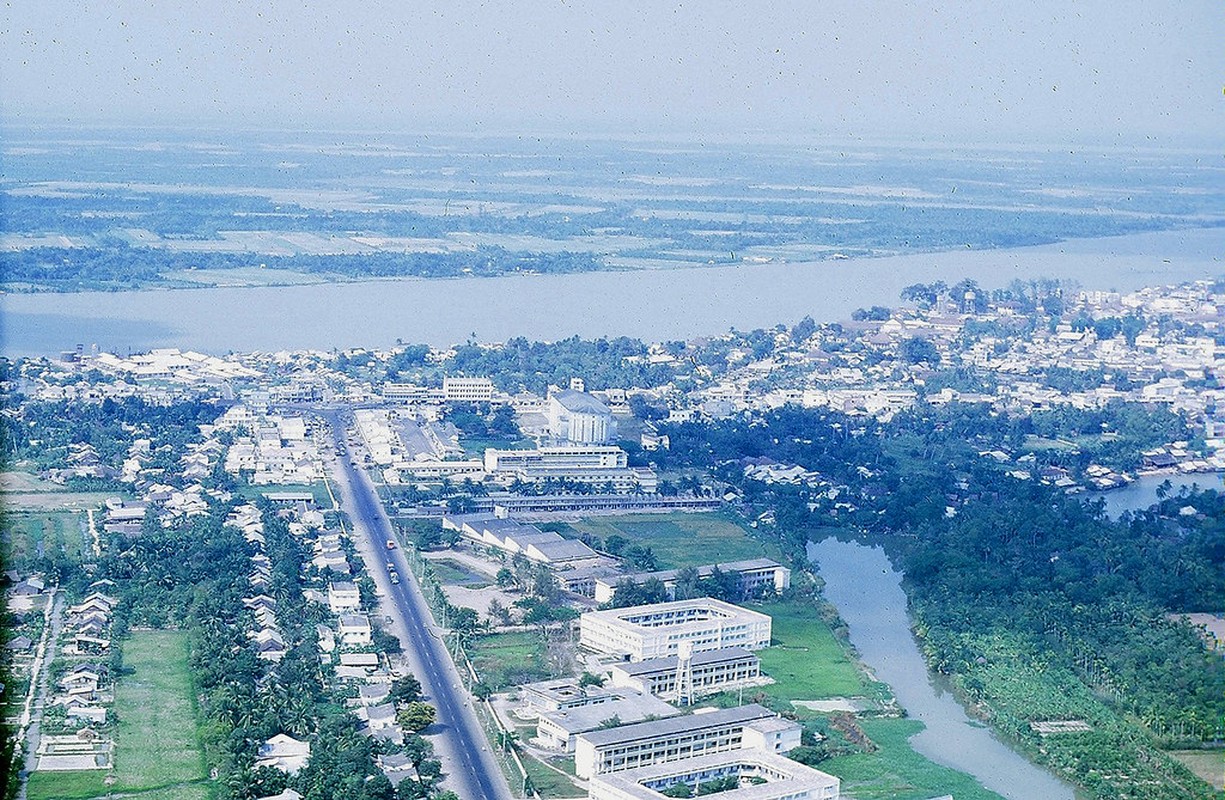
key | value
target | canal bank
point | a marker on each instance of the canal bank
(861, 582)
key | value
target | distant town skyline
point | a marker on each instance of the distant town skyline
(1130, 72)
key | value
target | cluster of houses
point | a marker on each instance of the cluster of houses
(1169, 358)
(82, 461)
(83, 691)
(25, 595)
(88, 623)
(268, 448)
(266, 636)
(349, 657)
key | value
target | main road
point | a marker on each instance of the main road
(464, 750)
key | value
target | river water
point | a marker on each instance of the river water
(654, 305)
(861, 582)
(1142, 493)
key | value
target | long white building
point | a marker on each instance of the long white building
(753, 576)
(709, 672)
(762, 776)
(660, 741)
(639, 633)
(596, 465)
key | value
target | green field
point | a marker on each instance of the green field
(682, 540)
(507, 659)
(157, 744)
(455, 574)
(475, 446)
(75, 785)
(896, 772)
(805, 660)
(54, 531)
(548, 782)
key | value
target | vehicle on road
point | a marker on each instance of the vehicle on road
(391, 544)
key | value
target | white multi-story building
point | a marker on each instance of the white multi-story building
(655, 631)
(762, 776)
(343, 597)
(710, 672)
(595, 465)
(557, 730)
(660, 741)
(467, 390)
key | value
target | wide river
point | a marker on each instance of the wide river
(655, 305)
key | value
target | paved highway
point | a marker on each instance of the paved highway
(465, 753)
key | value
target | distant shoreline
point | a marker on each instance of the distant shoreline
(1098, 245)
(653, 305)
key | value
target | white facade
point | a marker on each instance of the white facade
(580, 418)
(467, 390)
(596, 465)
(343, 597)
(660, 741)
(763, 776)
(753, 577)
(655, 631)
(711, 671)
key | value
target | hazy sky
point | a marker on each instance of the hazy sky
(1044, 69)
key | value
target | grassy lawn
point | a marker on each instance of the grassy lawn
(455, 574)
(548, 782)
(24, 490)
(682, 540)
(157, 743)
(506, 659)
(1035, 443)
(186, 791)
(475, 446)
(25, 532)
(895, 772)
(75, 785)
(805, 660)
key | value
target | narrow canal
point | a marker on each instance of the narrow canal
(861, 582)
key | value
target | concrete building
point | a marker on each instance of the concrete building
(713, 671)
(596, 465)
(579, 418)
(355, 630)
(557, 730)
(753, 577)
(562, 694)
(467, 390)
(660, 741)
(544, 547)
(761, 776)
(639, 633)
(559, 459)
(343, 597)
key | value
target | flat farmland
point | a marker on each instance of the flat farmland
(157, 744)
(29, 535)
